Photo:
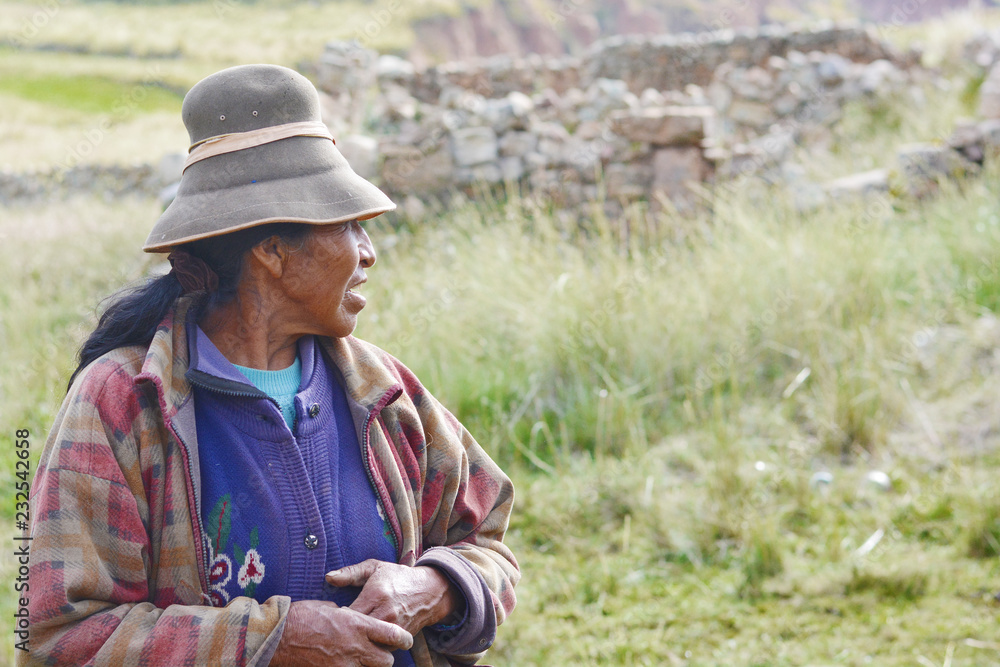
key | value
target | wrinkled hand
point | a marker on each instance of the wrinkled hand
(410, 597)
(321, 633)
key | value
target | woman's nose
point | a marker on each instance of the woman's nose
(367, 250)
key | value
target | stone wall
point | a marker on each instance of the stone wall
(108, 181)
(666, 62)
(602, 127)
(630, 117)
(670, 62)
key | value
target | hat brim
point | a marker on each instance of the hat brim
(299, 179)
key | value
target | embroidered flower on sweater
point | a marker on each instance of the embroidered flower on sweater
(219, 574)
(220, 571)
(252, 571)
(251, 566)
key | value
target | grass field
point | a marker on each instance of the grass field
(644, 396)
(663, 398)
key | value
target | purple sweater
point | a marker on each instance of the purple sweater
(281, 509)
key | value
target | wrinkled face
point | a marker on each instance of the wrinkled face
(321, 279)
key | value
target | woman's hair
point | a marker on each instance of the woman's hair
(134, 313)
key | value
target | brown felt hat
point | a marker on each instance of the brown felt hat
(259, 154)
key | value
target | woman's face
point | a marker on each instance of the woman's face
(320, 280)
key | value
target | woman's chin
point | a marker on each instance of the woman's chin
(345, 326)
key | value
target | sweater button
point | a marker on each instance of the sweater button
(311, 541)
(314, 409)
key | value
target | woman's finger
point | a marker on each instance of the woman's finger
(387, 634)
(384, 659)
(352, 575)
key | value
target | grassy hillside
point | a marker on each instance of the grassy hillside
(664, 398)
(96, 76)
(92, 82)
(650, 396)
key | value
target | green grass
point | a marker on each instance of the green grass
(215, 33)
(662, 394)
(91, 94)
(89, 64)
(636, 386)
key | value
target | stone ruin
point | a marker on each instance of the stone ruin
(635, 120)
(635, 123)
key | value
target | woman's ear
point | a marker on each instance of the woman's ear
(272, 253)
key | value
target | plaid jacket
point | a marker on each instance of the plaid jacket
(118, 572)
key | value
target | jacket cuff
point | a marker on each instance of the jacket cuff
(476, 632)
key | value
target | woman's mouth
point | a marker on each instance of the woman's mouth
(354, 299)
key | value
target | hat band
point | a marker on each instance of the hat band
(238, 141)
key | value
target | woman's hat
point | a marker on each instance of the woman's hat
(260, 153)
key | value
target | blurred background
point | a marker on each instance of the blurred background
(716, 282)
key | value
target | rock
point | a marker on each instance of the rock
(664, 126)
(613, 90)
(923, 165)
(552, 139)
(590, 130)
(165, 196)
(393, 68)
(553, 150)
(474, 145)
(720, 96)
(413, 209)
(551, 130)
(755, 84)
(604, 96)
(806, 80)
(676, 166)
(821, 480)
(628, 181)
(508, 113)
(695, 94)
(989, 94)
(581, 155)
(396, 104)
(652, 98)
(346, 66)
(967, 139)
(879, 480)
(983, 50)
(785, 104)
(361, 153)
(499, 115)
(517, 144)
(989, 131)
(520, 104)
(777, 64)
(511, 168)
(761, 155)
(876, 75)
(752, 114)
(169, 169)
(481, 173)
(407, 169)
(862, 184)
(534, 161)
(832, 69)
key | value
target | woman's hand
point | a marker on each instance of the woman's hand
(410, 597)
(319, 632)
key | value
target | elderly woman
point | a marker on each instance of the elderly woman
(233, 479)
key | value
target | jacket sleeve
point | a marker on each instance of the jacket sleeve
(109, 581)
(466, 502)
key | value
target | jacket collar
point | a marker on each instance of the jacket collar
(167, 358)
(365, 371)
